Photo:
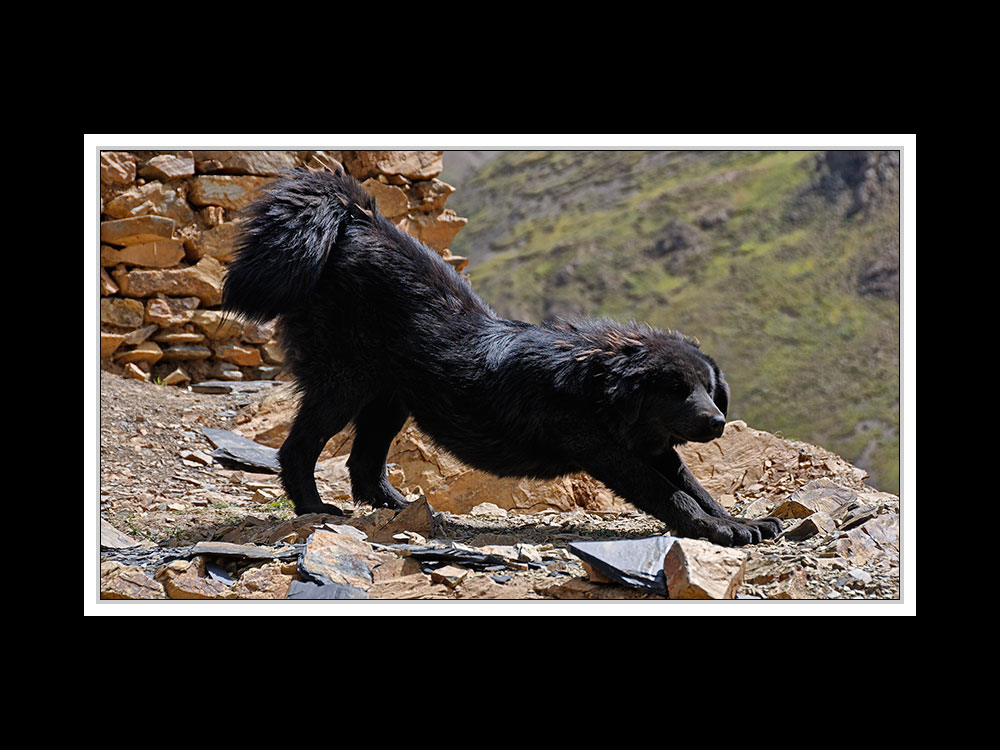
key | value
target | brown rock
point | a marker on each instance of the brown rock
(202, 280)
(159, 254)
(258, 333)
(391, 200)
(298, 529)
(339, 558)
(147, 351)
(877, 539)
(134, 372)
(187, 352)
(183, 579)
(176, 377)
(114, 539)
(455, 487)
(428, 196)
(819, 495)
(273, 353)
(108, 286)
(450, 575)
(151, 198)
(413, 165)
(266, 582)
(139, 335)
(128, 582)
(215, 325)
(178, 337)
(110, 342)
(117, 169)
(810, 526)
(218, 242)
(435, 230)
(212, 215)
(127, 313)
(410, 587)
(168, 167)
(170, 311)
(137, 230)
(458, 261)
(383, 523)
(696, 569)
(331, 161)
(228, 192)
(266, 163)
(239, 355)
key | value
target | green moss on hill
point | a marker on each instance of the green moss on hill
(739, 249)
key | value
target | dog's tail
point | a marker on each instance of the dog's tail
(287, 237)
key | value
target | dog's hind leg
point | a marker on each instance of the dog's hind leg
(375, 427)
(318, 420)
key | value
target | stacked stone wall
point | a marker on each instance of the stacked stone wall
(169, 220)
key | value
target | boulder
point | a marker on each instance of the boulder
(696, 569)
(344, 559)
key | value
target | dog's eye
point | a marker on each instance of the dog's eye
(675, 388)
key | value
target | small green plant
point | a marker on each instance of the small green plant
(282, 502)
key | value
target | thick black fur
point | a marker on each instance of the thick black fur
(376, 327)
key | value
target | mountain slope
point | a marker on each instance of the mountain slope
(783, 264)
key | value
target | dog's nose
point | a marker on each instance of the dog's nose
(717, 425)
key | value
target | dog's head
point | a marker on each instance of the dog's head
(667, 391)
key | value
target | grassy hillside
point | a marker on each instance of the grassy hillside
(788, 277)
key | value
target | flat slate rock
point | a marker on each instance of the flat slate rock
(232, 386)
(309, 590)
(632, 562)
(433, 556)
(249, 551)
(230, 446)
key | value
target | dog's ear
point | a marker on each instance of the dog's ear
(721, 394)
(628, 405)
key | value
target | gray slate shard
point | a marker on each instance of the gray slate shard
(230, 446)
(632, 562)
(309, 590)
(232, 386)
(433, 557)
(217, 573)
(249, 551)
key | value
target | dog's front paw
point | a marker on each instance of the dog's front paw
(322, 508)
(732, 532)
(769, 527)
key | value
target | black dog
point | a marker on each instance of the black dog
(377, 327)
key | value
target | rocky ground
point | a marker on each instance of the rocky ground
(162, 493)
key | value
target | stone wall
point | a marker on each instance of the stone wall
(168, 223)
